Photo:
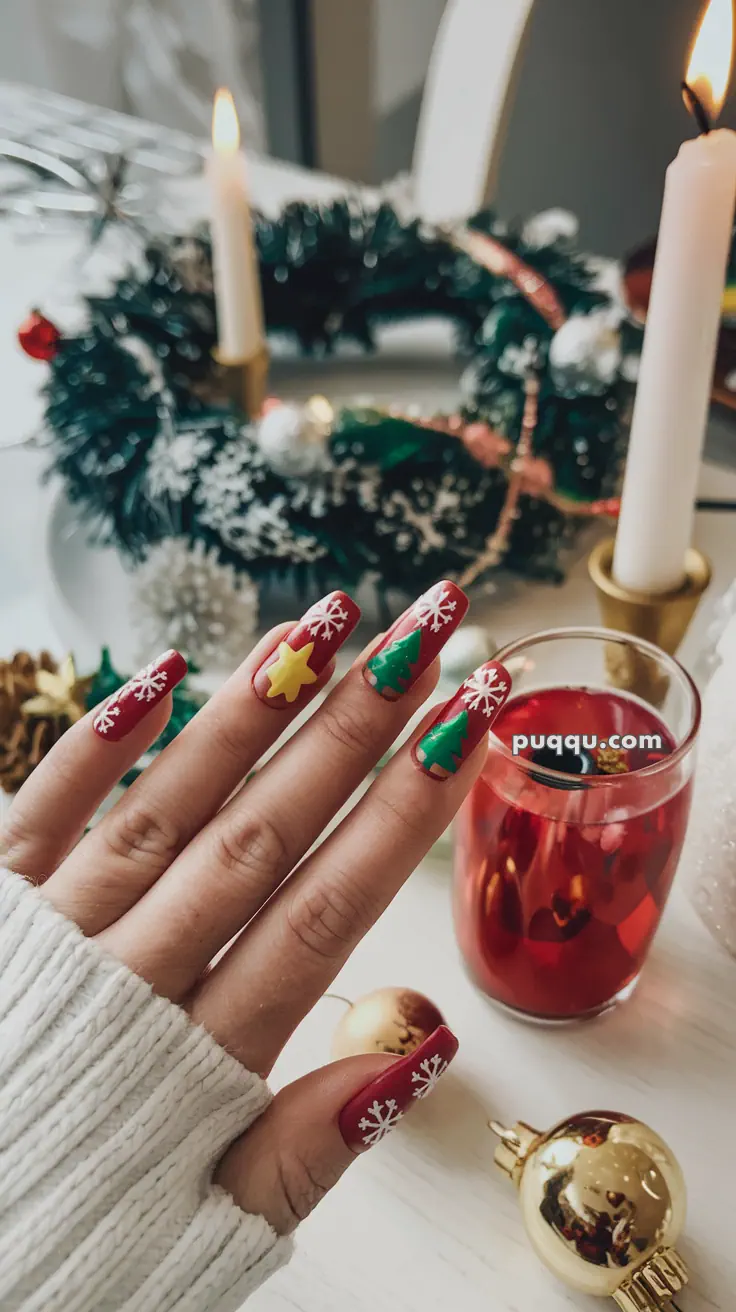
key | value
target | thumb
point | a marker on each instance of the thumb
(311, 1132)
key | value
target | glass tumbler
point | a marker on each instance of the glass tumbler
(568, 844)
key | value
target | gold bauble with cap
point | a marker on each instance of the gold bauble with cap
(603, 1201)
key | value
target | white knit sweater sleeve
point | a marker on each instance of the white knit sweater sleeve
(114, 1109)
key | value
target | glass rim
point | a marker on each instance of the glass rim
(599, 634)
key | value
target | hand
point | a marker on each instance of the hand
(189, 861)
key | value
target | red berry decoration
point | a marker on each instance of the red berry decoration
(39, 337)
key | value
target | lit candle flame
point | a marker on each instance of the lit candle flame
(709, 71)
(225, 126)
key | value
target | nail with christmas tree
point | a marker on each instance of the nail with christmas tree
(415, 640)
(463, 722)
(285, 677)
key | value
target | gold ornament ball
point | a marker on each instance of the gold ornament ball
(602, 1198)
(387, 1020)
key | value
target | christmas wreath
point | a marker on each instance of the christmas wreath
(149, 451)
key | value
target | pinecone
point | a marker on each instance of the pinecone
(24, 739)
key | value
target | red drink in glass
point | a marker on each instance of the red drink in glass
(561, 878)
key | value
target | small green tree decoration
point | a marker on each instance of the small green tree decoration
(443, 745)
(391, 668)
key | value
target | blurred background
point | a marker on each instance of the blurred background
(337, 85)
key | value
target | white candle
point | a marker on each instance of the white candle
(675, 380)
(237, 284)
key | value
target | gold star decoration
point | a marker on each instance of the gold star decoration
(59, 695)
(289, 674)
(612, 760)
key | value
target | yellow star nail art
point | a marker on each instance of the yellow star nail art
(289, 674)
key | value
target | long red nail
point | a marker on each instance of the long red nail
(416, 638)
(463, 722)
(303, 654)
(127, 707)
(369, 1116)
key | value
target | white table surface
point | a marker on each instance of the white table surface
(423, 1222)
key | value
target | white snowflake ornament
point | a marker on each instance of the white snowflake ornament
(381, 1119)
(485, 691)
(435, 609)
(427, 1077)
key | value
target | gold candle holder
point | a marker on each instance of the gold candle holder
(662, 620)
(244, 382)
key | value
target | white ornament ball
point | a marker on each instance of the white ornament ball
(585, 354)
(290, 441)
(549, 227)
(467, 648)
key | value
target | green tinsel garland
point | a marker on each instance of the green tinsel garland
(148, 452)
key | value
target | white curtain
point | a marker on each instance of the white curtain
(158, 59)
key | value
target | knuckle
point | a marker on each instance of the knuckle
(302, 1186)
(327, 921)
(141, 834)
(348, 728)
(232, 736)
(410, 825)
(252, 851)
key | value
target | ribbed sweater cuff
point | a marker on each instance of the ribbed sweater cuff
(114, 1109)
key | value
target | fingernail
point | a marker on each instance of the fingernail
(303, 654)
(463, 722)
(128, 706)
(415, 640)
(369, 1116)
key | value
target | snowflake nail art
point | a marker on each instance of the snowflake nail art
(415, 640)
(435, 608)
(377, 1109)
(485, 690)
(382, 1118)
(303, 653)
(327, 617)
(127, 707)
(426, 1078)
(463, 722)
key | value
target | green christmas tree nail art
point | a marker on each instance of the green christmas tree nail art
(415, 640)
(464, 722)
(443, 745)
(390, 668)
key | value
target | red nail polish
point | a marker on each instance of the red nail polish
(463, 722)
(415, 640)
(302, 655)
(369, 1116)
(128, 706)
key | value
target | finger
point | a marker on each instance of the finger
(139, 838)
(236, 863)
(66, 788)
(289, 954)
(316, 1127)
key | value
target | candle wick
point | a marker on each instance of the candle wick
(696, 108)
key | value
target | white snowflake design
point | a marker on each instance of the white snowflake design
(426, 1078)
(484, 691)
(435, 609)
(382, 1117)
(148, 683)
(326, 618)
(172, 463)
(105, 719)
